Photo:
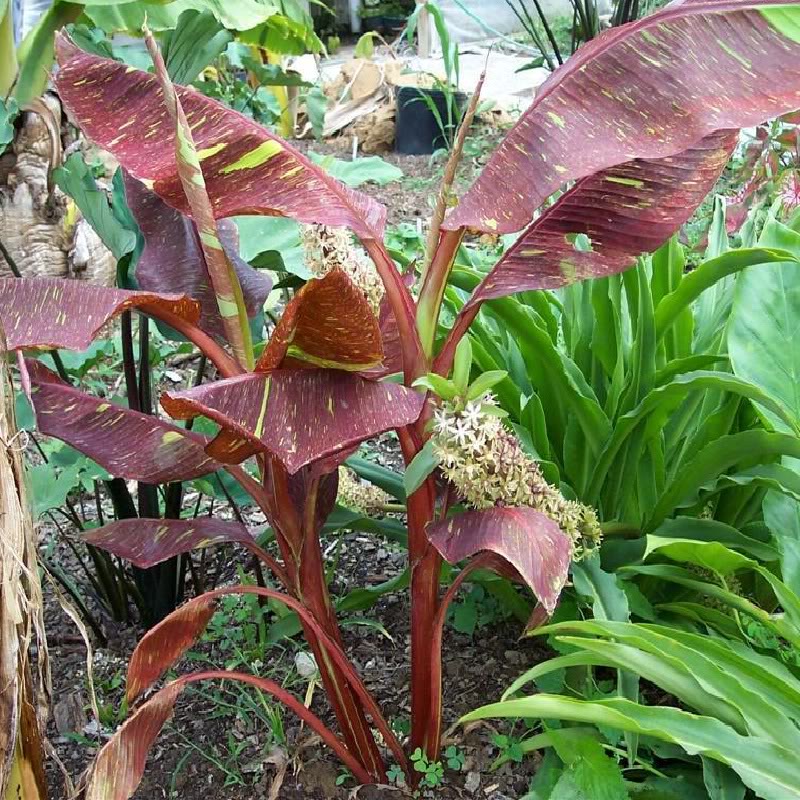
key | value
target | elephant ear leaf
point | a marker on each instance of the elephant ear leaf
(648, 90)
(247, 169)
(527, 540)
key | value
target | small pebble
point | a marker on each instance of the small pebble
(472, 782)
(305, 665)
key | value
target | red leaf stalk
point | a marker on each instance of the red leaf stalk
(426, 565)
(443, 362)
(433, 743)
(299, 542)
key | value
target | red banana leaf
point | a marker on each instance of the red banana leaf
(147, 542)
(56, 313)
(328, 323)
(166, 642)
(162, 645)
(630, 209)
(247, 169)
(300, 416)
(120, 764)
(128, 444)
(173, 261)
(528, 540)
(650, 89)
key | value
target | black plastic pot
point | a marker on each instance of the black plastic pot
(392, 23)
(372, 24)
(418, 131)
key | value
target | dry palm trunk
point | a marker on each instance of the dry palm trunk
(33, 213)
(23, 650)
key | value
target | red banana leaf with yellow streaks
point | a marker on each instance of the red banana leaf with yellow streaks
(247, 169)
(224, 279)
(625, 211)
(128, 444)
(328, 323)
(52, 313)
(147, 542)
(299, 415)
(651, 89)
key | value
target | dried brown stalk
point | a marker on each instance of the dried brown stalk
(23, 711)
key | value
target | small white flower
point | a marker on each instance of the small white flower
(473, 414)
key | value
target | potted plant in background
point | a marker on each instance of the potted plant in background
(386, 16)
(395, 14)
(372, 15)
(427, 116)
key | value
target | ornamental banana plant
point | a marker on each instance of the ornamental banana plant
(642, 157)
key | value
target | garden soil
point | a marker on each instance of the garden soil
(476, 671)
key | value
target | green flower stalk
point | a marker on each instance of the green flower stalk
(487, 465)
(326, 248)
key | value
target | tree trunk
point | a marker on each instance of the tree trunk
(39, 227)
(23, 649)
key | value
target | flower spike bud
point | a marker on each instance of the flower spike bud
(326, 248)
(486, 463)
